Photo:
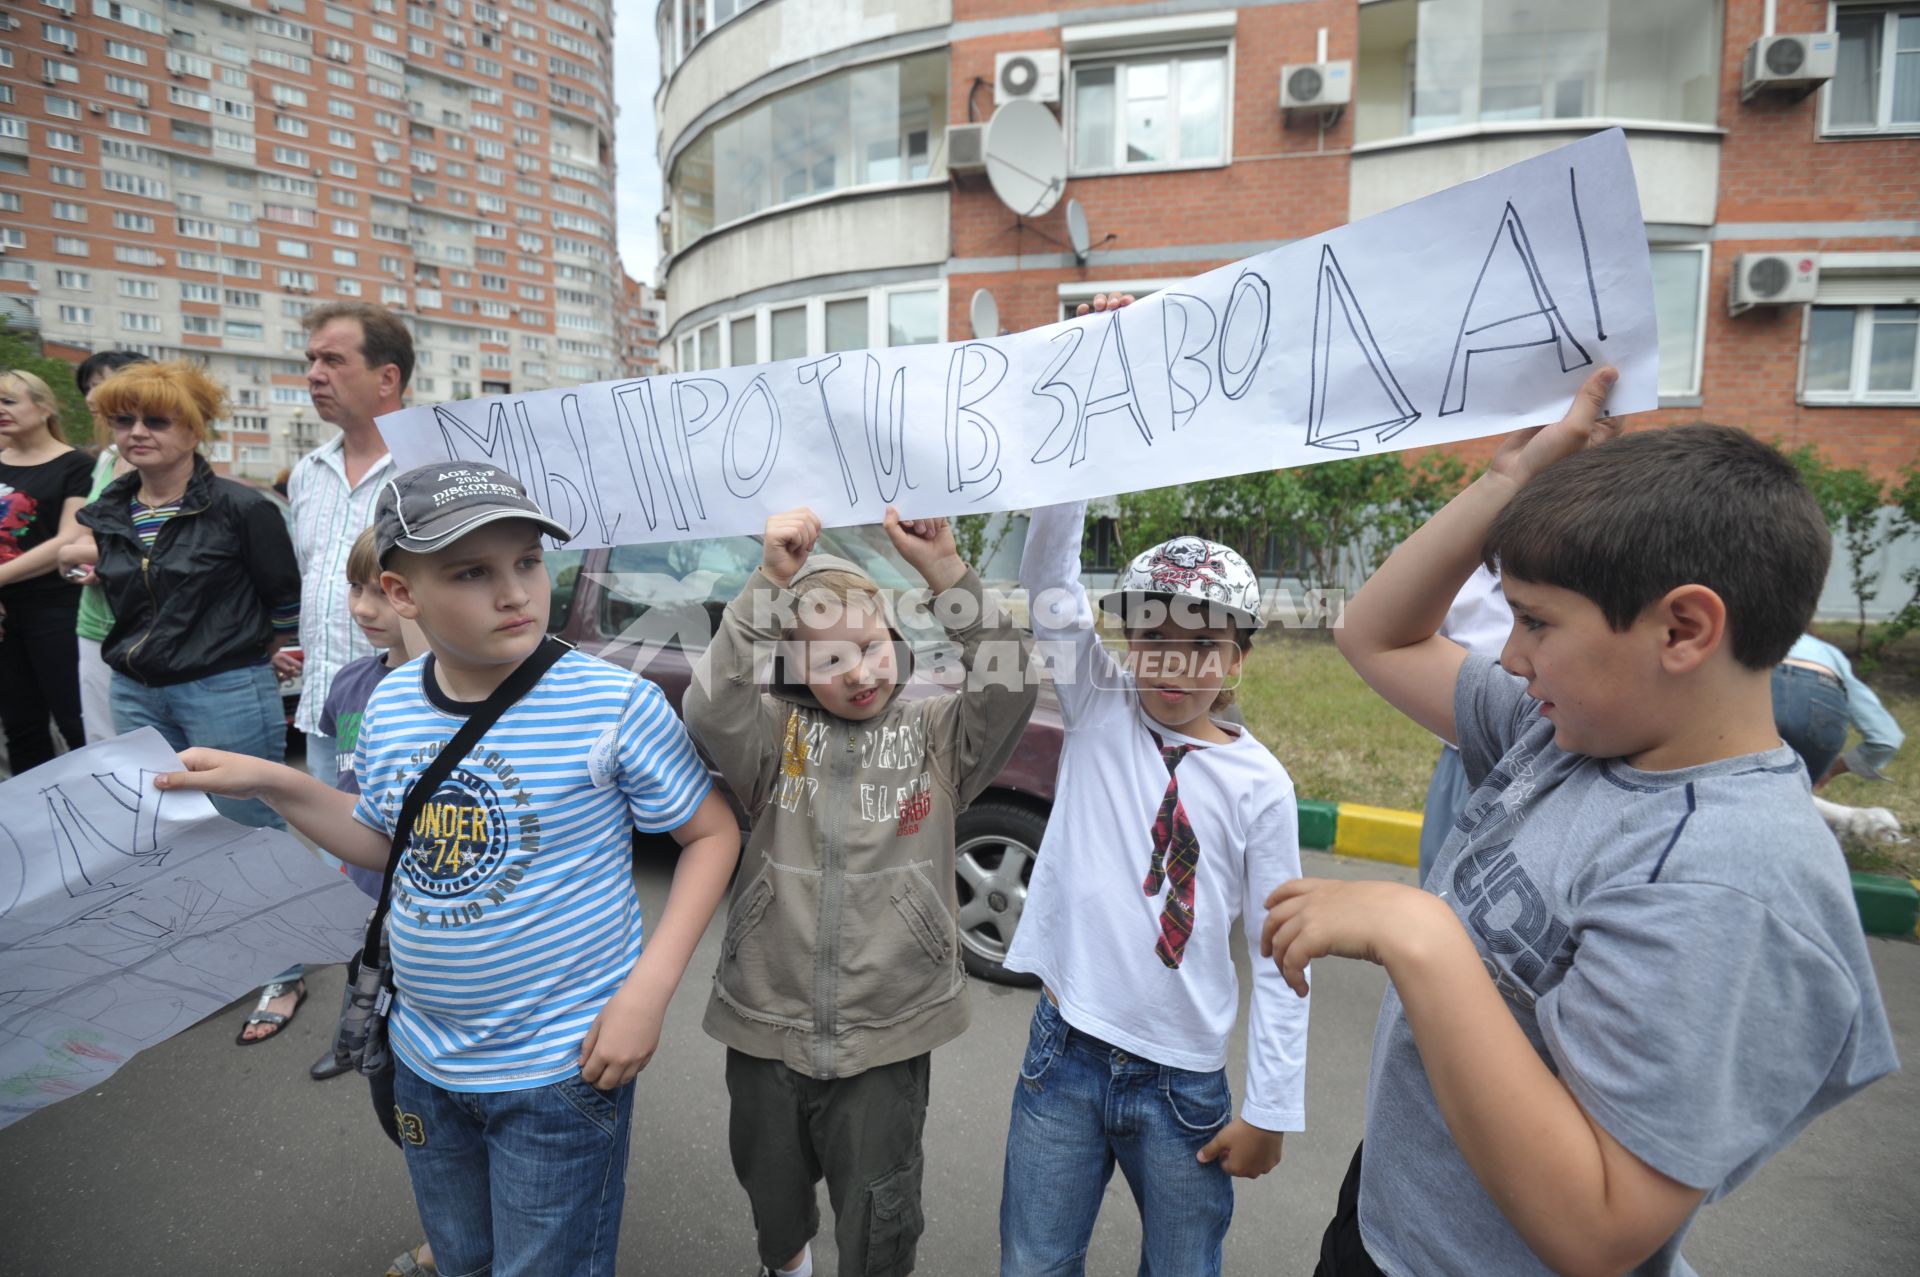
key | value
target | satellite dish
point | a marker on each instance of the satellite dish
(1026, 158)
(985, 314)
(1077, 231)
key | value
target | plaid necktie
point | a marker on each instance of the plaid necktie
(1176, 857)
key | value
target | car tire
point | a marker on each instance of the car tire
(996, 842)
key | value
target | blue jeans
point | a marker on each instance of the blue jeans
(237, 711)
(1810, 713)
(1080, 1106)
(516, 1183)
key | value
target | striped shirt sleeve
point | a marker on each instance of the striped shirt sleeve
(660, 771)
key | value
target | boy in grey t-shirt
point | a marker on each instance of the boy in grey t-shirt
(1640, 972)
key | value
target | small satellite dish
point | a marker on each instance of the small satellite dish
(1026, 158)
(1077, 231)
(984, 311)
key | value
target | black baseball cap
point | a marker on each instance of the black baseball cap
(430, 507)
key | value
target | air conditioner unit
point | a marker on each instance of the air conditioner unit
(1773, 279)
(1028, 73)
(1799, 63)
(966, 148)
(48, 77)
(94, 108)
(12, 23)
(1316, 85)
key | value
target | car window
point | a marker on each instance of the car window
(563, 568)
(674, 592)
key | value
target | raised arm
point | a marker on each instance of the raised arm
(1059, 611)
(725, 710)
(988, 714)
(1391, 630)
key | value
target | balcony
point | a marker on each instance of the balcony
(1447, 90)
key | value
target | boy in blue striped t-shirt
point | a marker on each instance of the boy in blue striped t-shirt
(526, 1004)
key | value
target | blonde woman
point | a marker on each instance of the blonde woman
(200, 575)
(43, 484)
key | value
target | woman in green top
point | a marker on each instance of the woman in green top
(96, 618)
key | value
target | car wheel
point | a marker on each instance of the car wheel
(995, 845)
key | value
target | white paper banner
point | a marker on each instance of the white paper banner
(129, 913)
(1474, 311)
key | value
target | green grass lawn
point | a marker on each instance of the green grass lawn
(1340, 741)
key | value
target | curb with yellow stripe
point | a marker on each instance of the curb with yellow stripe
(1889, 906)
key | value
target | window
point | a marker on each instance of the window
(293, 248)
(78, 280)
(76, 315)
(140, 289)
(1150, 112)
(846, 324)
(200, 293)
(244, 330)
(65, 175)
(70, 245)
(125, 221)
(741, 337)
(126, 52)
(1434, 64)
(1876, 88)
(139, 322)
(65, 108)
(69, 211)
(864, 127)
(1679, 304)
(66, 72)
(130, 15)
(346, 257)
(297, 279)
(913, 318)
(1862, 354)
(131, 121)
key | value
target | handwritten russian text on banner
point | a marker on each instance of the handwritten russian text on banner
(1473, 311)
(129, 913)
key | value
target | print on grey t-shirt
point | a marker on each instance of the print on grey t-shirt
(1680, 947)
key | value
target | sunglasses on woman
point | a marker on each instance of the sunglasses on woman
(128, 420)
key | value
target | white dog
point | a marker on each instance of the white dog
(1860, 824)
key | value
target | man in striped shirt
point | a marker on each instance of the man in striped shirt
(359, 361)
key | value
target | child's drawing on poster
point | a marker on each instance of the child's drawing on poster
(128, 913)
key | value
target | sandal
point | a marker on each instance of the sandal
(407, 1264)
(260, 1014)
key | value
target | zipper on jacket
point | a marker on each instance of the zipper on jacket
(826, 948)
(146, 558)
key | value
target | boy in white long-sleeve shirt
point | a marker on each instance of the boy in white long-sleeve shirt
(1168, 826)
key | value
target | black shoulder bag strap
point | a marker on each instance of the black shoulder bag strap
(516, 685)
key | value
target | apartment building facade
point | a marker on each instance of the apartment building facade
(641, 311)
(189, 177)
(813, 204)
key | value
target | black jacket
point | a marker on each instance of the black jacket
(201, 602)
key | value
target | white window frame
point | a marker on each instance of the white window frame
(1071, 62)
(1855, 395)
(1883, 107)
(1700, 317)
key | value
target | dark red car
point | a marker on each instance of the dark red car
(652, 608)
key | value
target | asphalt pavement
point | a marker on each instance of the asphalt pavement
(202, 1157)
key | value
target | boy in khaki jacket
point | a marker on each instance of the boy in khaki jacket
(841, 967)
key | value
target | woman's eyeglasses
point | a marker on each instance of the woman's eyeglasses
(128, 420)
